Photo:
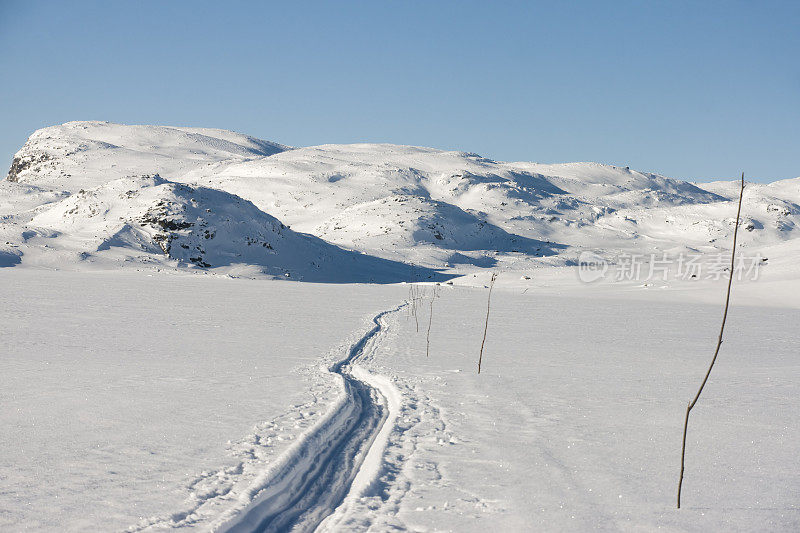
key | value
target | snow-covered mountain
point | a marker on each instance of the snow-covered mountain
(139, 218)
(88, 154)
(421, 206)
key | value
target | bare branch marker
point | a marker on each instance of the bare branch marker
(486, 326)
(434, 295)
(414, 295)
(417, 292)
(719, 342)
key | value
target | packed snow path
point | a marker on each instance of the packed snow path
(313, 478)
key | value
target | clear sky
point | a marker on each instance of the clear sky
(693, 90)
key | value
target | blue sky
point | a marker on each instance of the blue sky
(688, 89)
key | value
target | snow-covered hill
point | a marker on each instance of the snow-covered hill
(86, 154)
(149, 220)
(427, 207)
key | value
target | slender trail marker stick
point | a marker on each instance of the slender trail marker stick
(434, 294)
(416, 299)
(719, 343)
(486, 326)
(413, 296)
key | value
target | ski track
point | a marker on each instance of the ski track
(328, 467)
(311, 479)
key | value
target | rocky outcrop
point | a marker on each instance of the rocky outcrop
(21, 163)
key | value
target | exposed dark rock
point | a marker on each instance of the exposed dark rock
(166, 224)
(20, 164)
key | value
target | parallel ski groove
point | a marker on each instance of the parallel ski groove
(312, 478)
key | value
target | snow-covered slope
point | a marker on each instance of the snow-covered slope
(317, 187)
(432, 208)
(148, 219)
(79, 155)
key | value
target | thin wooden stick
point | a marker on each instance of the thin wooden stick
(430, 321)
(413, 296)
(486, 325)
(719, 343)
(416, 298)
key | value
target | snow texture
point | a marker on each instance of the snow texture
(160, 373)
(427, 209)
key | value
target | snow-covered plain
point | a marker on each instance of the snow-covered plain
(161, 373)
(574, 423)
(120, 390)
(157, 401)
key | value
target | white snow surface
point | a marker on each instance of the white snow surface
(162, 372)
(164, 401)
(131, 398)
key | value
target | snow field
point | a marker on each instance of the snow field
(575, 422)
(146, 389)
(121, 391)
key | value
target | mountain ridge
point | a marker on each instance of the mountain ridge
(435, 209)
